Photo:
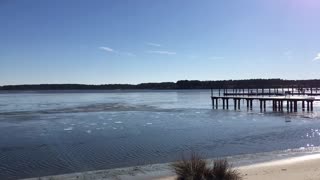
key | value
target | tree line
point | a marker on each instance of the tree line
(182, 84)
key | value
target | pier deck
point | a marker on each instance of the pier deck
(278, 102)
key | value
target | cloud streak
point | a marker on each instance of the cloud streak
(317, 57)
(162, 52)
(153, 44)
(107, 49)
(110, 50)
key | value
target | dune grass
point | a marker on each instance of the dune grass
(197, 168)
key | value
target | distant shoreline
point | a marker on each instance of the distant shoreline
(182, 84)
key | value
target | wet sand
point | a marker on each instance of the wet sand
(297, 168)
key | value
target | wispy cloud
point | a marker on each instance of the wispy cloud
(216, 58)
(107, 49)
(110, 50)
(317, 57)
(153, 44)
(162, 52)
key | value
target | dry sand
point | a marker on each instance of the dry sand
(298, 168)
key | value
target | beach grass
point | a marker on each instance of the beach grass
(196, 168)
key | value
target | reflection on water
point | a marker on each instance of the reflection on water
(53, 133)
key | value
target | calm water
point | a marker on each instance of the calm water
(44, 133)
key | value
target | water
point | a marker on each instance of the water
(46, 133)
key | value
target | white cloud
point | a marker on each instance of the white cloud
(216, 58)
(317, 57)
(162, 52)
(153, 44)
(107, 49)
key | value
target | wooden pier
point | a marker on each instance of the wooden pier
(282, 99)
(270, 91)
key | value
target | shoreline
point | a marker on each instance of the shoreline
(290, 167)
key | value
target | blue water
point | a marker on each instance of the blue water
(46, 133)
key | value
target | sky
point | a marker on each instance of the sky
(137, 41)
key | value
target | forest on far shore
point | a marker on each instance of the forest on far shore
(182, 84)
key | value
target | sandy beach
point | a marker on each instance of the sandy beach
(297, 168)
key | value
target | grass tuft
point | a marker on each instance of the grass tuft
(193, 169)
(196, 168)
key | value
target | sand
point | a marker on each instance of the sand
(298, 168)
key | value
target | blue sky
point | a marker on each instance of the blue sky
(134, 41)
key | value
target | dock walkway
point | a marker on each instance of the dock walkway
(278, 102)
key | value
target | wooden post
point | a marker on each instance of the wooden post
(287, 105)
(290, 106)
(311, 105)
(247, 104)
(227, 103)
(273, 105)
(308, 105)
(216, 103)
(251, 104)
(302, 105)
(264, 105)
(238, 103)
(235, 104)
(260, 105)
(212, 103)
(223, 103)
(295, 106)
